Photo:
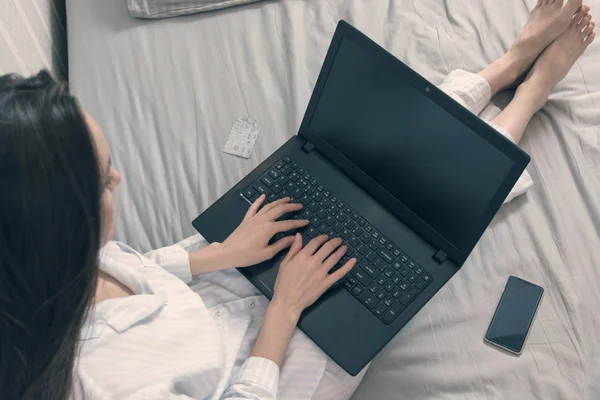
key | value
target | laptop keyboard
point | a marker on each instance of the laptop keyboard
(384, 279)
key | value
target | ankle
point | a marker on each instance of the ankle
(534, 94)
(502, 73)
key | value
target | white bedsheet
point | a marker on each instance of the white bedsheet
(166, 93)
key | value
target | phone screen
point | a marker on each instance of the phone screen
(514, 314)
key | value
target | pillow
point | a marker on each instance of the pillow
(174, 8)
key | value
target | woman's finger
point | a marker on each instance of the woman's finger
(328, 248)
(254, 207)
(334, 258)
(284, 226)
(340, 273)
(274, 204)
(314, 245)
(294, 250)
(280, 209)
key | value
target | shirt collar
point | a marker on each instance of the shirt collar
(122, 313)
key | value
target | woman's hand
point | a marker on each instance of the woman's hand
(304, 274)
(249, 243)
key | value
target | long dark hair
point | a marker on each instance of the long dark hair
(50, 232)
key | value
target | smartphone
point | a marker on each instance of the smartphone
(514, 315)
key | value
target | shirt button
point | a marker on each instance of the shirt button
(251, 304)
(218, 313)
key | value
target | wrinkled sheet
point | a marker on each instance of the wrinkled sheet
(167, 92)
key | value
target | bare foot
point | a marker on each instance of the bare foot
(547, 21)
(558, 59)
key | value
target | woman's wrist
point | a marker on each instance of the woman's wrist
(284, 312)
(212, 258)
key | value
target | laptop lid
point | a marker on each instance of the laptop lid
(439, 168)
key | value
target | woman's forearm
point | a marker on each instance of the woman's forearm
(276, 333)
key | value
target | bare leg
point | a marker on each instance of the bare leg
(548, 20)
(551, 67)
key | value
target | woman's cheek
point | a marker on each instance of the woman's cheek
(108, 217)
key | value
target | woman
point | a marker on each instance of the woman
(84, 317)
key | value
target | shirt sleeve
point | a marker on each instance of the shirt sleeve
(175, 259)
(258, 379)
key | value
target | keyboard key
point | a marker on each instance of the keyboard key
(349, 224)
(272, 197)
(396, 293)
(382, 240)
(287, 159)
(369, 299)
(389, 272)
(346, 234)
(389, 300)
(307, 177)
(374, 245)
(267, 180)
(381, 280)
(361, 222)
(301, 184)
(358, 289)
(380, 309)
(340, 205)
(381, 294)
(314, 182)
(325, 203)
(301, 171)
(350, 251)
(248, 193)
(333, 210)
(309, 190)
(354, 216)
(276, 188)
(320, 188)
(404, 271)
(317, 196)
(349, 283)
(389, 286)
(260, 188)
(412, 277)
(397, 265)
(279, 164)
(311, 232)
(294, 177)
(326, 193)
(283, 180)
(396, 278)
(419, 271)
(347, 210)
(371, 256)
(294, 166)
(390, 247)
(321, 213)
(337, 227)
(376, 235)
(297, 193)
(313, 207)
(342, 217)
(369, 269)
(397, 253)
(379, 263)
(369, 228)
(426, 278)
(358, 231)
(387, 257)
(316, 222)
(362, 249)
(289, 187)
(365, 238)
(286, 170)
(333, 199)
(411, 265)
(329, 220)
(374, 288)
(403, 258)
(404, 285)
(305, 200)
(393, 312)
(323, 229)
(408, 296)
(361, 276)
(420, 284)
(353, 241)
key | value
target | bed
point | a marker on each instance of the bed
(166, 93)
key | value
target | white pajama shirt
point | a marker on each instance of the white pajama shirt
(183, 338)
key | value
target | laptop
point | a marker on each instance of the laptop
(406, 176)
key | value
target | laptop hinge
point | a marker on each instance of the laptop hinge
(440, 256)
(308, 147)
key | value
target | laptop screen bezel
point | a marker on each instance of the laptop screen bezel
(520, 159)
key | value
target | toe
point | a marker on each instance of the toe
(588, 29)
(589, 39)
(572, 5)
(585, 21)
(579, 16)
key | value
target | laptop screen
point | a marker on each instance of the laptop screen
(440, 169)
